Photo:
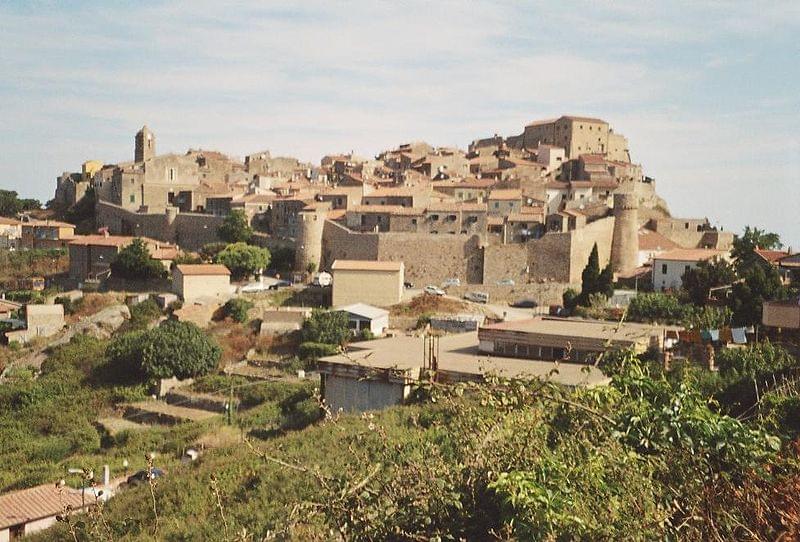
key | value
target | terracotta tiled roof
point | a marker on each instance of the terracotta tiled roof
(203, 269)
(50, 223)
(592, 158)
(650, 240)
(505, 194)
(771, 256)
(9, 221)
(365, 265)
(386, 209)
(691, 254)
(37, 503)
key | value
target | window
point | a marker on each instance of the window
(496, 204)
(687, 226)
(133, 198)
(686, 268)
(663, 269)
(413, 220)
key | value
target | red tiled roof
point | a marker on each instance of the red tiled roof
(36, 503)
(690, 254)
(771, 256)
(203, 269)
(505, 194)
(650, 240)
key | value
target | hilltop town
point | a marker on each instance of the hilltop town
(513, 341)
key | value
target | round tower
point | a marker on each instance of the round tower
(308, 249)
(145, 145)
(625, 243)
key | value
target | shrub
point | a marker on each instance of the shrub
(314, 351)
(179, 349)
(330, 327)
(70, 305)
(145, 313)
(237, 308)
(657, 307)
(366, 334)
(134, 262)
(243, 260)
(423, 320)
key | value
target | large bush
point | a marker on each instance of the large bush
(657, 307)
(235, 228)
(237, 308)
(179, 349)
(134, 262)
(329, 327)
(243, 260)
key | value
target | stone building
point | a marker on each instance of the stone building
(90, 256)
(45, 233)
(576, 135)
(199, 282)
(371, 282)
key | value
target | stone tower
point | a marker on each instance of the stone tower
(145, 145)
(309, 238)
(625, 243)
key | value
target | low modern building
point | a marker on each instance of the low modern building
(283, 320)
(381, 373)
(669, 267)
(10, 233)
(567, 339)
(196, 282)
(362, 316)
(40, 321)
(34, 509)
(370, 282)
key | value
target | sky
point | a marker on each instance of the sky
(708, 93)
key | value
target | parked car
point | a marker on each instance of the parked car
(477, 297)
(433, 290)
(451, 282)
(144, 476)
(254, 287)
(525, 304)
(505, 282)
(408, 285)
(279, 284)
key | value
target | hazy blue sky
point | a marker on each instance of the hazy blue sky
(707, 92)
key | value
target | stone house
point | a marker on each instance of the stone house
(45, 233)
(90, 256)
(199, 282)
(40, 321)
(370, 282)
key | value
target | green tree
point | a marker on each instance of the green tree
(605, 284)
(698, 281)
(328, 327)
(208, 252)
(179, 349)
(237, 309)
(235, 228)
(590, 277)
(11, 204)
(744, 246)
(134, 262)
(243, 260)
(747, 297)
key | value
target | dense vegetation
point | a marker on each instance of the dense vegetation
(243, 260)
(134, 262)
(235, 228)
(11, 203)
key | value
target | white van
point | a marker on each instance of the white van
(322, 279)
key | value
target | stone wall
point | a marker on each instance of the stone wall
(188, 230)
(561, 257)
(340, 243)
(505, 261)
(433, 258)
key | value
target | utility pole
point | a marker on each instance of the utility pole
(230, 405)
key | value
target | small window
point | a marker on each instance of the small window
(687, 226)
(686, 268)
(413, 220)
(133, 198)
(496, 205)
(663, 269)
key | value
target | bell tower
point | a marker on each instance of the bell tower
(145, 145)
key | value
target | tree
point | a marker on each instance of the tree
(209, 251)
(747, 297)
(235, 228)
(11, 204)
(134, 262)
(237, 309)
(328, 327)
(744, 247)
(605, 282)
(178, 349)
(243, 260)
(590, 277)
(708, 274)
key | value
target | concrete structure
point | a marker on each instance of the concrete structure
(40, 321)
(567, 339)
(625, 242)
(362, 316)
(10, 233)
(380, 373)
(669, 267)
(374, 283)
(457, 323)
(28, 511)
(781, 314)
(198, 282)
(283, 320)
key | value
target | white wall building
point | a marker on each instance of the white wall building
(669, 267)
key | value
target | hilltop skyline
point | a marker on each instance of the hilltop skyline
(705, 95)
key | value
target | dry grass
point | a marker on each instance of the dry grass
(429, 304)
(93, 303)
(235, 339)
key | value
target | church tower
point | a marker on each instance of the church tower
(145, 145)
